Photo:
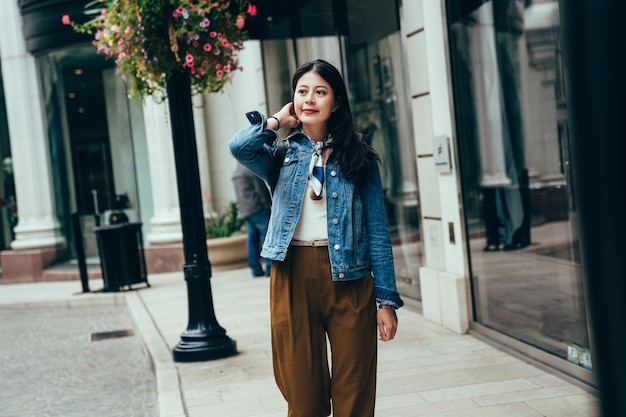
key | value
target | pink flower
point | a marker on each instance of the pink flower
(216, 51)
(189, 59)
(219, 73)
(207, 47)
(251, 10)
(225, 43)
(65, 19)
(227, 68)
(218, 66)
(240, 22)
(122, 55)
(213, 34)
(195, 44)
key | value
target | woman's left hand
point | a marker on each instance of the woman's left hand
(387, 323)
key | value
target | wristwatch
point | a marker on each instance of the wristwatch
(388, 306)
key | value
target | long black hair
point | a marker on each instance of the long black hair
(354, 156)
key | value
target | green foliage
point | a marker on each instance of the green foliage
(227, 224)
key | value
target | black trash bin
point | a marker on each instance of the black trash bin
(122, 259)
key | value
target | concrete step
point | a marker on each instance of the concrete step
(69, 272)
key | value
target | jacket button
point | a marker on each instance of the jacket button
(335, 221)
(341, 275)
(333, 173)
(336, 247)
(286, 159)
(335, 194)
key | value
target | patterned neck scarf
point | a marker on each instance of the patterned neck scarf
(316, 171)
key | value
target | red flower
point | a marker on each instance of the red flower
(66, 20)
(251, 10)
(241, 22)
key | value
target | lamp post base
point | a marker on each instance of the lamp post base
(192, 348)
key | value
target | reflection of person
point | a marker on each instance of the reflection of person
(506, 207)
(253, 203)
(330, 242)
(9, 200)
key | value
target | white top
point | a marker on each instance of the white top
(312, 224)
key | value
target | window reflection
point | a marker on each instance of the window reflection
(377, 86)
(510, 113)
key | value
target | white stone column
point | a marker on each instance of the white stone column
(203, 155)
(38, 226)
(165, 222)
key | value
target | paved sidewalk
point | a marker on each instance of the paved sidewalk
(427, 371)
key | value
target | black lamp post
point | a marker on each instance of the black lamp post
(204, 339)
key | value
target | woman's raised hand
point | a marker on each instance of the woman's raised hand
(287, 116)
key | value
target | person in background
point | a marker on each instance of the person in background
(329, 241)
(253, 202)
(9, 200)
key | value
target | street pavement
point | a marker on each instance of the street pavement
(54, 362)
(427, 371)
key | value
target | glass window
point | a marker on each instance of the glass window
(511, 124)
(367, 49)
(379, 102)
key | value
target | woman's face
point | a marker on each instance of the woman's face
(314, 100)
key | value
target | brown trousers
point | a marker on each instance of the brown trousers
(306, 307)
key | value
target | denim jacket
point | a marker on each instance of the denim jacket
(358, 235)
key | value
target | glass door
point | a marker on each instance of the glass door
(91, 140)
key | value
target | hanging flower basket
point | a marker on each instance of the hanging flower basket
(149, 39)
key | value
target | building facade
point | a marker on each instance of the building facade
(465, 101)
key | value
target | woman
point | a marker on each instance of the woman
(330, 243)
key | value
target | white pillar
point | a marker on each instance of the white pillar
(38, 226)
(165, 222)
(203, 155)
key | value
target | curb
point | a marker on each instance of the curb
(169, 394)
